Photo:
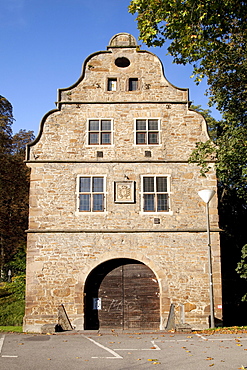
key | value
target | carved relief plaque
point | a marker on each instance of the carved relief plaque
(124, 192)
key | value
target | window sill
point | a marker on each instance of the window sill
(82, 213)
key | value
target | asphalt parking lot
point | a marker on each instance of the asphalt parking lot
(118, 350)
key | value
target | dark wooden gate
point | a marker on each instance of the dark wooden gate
(127, 297)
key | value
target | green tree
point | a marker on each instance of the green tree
(6, 120)
(211, 35)
(242, 267)
(14, 186)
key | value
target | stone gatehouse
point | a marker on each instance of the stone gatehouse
(117, 231)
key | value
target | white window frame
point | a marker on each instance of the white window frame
(168, 212)
(146, 131)
(78, 212)
(100, 131)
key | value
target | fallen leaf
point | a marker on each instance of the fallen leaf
(139, 359)
(152, 359)
(209, 358)
(211, 365)
(152, 347)
(156, 363)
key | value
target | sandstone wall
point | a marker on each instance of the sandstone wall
(65, 245)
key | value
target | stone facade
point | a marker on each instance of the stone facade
(65, 243)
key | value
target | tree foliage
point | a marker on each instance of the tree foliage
(242, 267)
(211, 35)
(14, 185)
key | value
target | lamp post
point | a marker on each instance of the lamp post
(206, 196)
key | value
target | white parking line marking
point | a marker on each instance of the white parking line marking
(201, 336)
(1, 346)
(219, 339)
(1, 343)
(156, 348)
(115, 354)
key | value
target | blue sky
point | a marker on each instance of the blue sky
(44, 43)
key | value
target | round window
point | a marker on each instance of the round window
(122, 62)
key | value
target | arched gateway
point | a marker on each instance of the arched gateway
(122, 293)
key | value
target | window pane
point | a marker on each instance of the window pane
(105, 125)
(140, 138)
(94, 125)
(98, 184)
(105, 138)
(161, 184)
(84, 203)
(133, 84)
(98, 202)
(140, 124)
(112, 84)
(153, 124)
(84, 184)
(162, 202)
(148, 184)
(148, 202)
(93, 138)
(153, 138)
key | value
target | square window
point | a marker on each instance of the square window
(112, 84)
(155, 195)
(133, 84)
(100, 132)
(147, 131)
(91, 194)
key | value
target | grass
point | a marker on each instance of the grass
(11, 329)
(12, 307)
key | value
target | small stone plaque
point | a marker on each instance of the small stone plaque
(124, 192)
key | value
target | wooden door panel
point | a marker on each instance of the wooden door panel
(141, 297)
(129, 298)
(111, 294)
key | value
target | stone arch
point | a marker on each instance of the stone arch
(122, 293)
(122, 39)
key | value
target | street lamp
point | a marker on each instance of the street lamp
(206, 196)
